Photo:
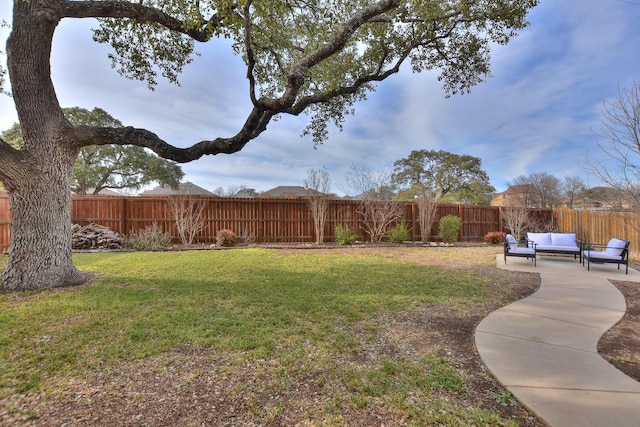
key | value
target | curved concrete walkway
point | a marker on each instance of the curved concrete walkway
(544, 348)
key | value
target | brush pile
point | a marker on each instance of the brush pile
(95, 236)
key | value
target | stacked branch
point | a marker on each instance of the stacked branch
(94, 236)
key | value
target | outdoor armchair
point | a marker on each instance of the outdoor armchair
(614, 252)
(511, 248)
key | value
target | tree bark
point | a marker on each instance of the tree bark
(40, 249)
(38, 176)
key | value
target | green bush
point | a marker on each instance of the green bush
(225, 238)
(149, 239)
(494, 237)
(344, 236)
(449, 228)
(399, 234)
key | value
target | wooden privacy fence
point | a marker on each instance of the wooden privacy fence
(267, 220)
(289, 220)
(255, 220)
(593, 226)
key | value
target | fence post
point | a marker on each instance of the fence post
(461, 216)
(123, 217)
(261, 221)
(414, 225)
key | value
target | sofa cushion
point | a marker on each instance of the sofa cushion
(543, 239)
(615, 247)
(572, 248)
(563, 239)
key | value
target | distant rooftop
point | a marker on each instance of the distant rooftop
(292, 191)
(183, 188)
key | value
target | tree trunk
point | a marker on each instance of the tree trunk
(40, 249)
(38, 176)
(40, 202)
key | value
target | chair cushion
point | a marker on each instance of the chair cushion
(511, 241)
(563, 239)
(529, 251)
(615, 247)
(543, 239)
(601, 255)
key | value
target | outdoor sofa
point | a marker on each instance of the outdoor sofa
(614, 252)
(557, 243)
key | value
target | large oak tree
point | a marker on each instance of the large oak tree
(456, 178)
(317, 56)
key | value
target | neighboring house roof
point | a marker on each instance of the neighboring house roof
(518, 194)
(103, 192)
(610, 197)
(183, 188)
(519, 189)
(384, 194)
(245, 194)
(580, 201)
(109, 192)
(593, 198)
(291, 191)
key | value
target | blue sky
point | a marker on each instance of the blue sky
(535, 114)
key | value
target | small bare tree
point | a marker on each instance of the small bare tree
(517, 219)
(318, 183)
(187, 210)
(522, 193)
(427, 201)
(538, 189)
(376, 200)
(572, 187)
(620, 144)
(547, 188)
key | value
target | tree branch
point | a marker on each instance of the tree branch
(121, 9)
(298, 71)
(13, 163)
(373, 13)
(256, 123)
(251, 62)
(317, 98)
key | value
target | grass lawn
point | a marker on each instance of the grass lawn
(271, 337)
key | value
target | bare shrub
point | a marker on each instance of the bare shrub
(150, 238)
(516, 219)
(376, 200)
(246, 236)
(378, 215)
(427, 202)
(187, 210)
(319, 183)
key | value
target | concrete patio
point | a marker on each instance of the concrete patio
(543, 348)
